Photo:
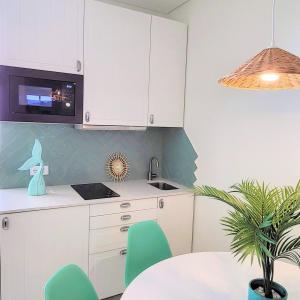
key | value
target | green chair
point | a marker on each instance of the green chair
(147, 245)
(70, 283)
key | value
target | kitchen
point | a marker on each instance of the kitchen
(115, 111)
(99, 131)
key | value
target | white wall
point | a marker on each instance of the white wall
(237, 134)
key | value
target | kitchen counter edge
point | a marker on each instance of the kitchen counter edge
(63, 196)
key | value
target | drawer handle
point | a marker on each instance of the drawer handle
(125, 205)
(5, 223)
(126, 217)
(124, 228)
(123, 252)
(161, 203)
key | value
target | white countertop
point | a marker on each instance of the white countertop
(17, 200)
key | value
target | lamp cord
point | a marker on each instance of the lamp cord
(273, 24)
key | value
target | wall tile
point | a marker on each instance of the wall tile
(178, 157)
(73, 156)
(76, 156)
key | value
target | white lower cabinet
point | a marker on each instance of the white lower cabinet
(121, 207)
(102, 240)
(175, 216)
(122, 219)
(108, 242)
(109, 224)
(106, 271)
(36, 244)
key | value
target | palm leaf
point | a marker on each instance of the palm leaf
(260, 221)
(223, 196)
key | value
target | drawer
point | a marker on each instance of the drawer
(106, 271)
(119, 207)
(107, 239)
(122, 219)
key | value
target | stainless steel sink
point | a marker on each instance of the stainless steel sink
(163, 186)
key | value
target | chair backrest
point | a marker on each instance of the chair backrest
(147, 245)
(70, 283)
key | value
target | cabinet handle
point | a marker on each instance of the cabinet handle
(78, 65)
(124, 228)
(123, 252)
(125, 205)
(87, 116)
(151, 119)
(5, 223)
(161, 203)
(126, 217)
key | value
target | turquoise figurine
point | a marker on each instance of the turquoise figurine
(37, 186)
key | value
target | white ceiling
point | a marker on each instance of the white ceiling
(162, 6)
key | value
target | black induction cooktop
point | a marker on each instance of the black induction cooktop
(93, 191)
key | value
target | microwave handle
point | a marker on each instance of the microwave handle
(78, 65)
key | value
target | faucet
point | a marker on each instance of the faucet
(152, 175)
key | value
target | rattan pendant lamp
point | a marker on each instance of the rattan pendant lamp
(271, 69)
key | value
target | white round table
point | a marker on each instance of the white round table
(206, 276)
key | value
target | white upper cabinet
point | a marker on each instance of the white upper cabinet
(42, 34)
(167, 73)
(134, 63)
(116, 56)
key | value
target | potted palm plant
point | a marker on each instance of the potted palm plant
(260, 222)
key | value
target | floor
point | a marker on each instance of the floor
(114, 298)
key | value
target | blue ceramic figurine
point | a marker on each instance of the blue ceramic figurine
(37, 186)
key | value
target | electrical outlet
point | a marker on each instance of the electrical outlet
(35, 169)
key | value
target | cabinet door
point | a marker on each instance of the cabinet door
(116, 56)
(37, 244)
(106, 271)
(40, 34)
(167, 73)
(175, 216)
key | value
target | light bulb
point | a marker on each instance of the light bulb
(269, 77)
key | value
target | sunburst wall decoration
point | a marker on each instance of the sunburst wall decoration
(117, 166)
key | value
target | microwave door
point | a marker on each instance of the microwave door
(28, 95)
(38, 96)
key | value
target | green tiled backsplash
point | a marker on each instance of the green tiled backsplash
(178, 157)
(76, 156)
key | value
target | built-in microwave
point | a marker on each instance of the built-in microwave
(28, 95)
